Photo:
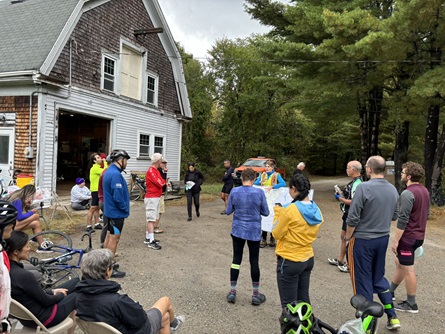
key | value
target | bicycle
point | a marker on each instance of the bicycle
(298, 317)
(137, 190)
(61, 266)
(12, 180)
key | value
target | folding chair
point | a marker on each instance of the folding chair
(20, 312)
(90, 327)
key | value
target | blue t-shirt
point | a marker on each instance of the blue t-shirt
(248, 204)
(116, 196)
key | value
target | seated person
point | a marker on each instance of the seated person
(27, 218)
(98, 300)
(50, 307)
(80, 195)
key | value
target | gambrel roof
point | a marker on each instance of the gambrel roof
(34, 32)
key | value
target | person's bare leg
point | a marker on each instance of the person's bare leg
(168, 315)
(96, 215)
(113, 241)
(90, 214)
(156, 224)
(399, 273)
(410, 280)
(342, 256)
(149, 226)
(32, 223)
(226, 200)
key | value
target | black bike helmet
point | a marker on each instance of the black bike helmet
(296, 318)
(115, 154)
(8, 215)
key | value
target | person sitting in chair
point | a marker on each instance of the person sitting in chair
(98, 300)
(80, 195)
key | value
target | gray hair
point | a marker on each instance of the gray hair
(96, 263)
(301, 164)
(156, 157)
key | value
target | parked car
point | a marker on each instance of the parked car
(257, 164)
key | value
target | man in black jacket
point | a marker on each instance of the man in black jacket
(98, 300)
(228, 184)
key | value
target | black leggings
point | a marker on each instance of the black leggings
(254, 253)
(195, 197)
(67, 304)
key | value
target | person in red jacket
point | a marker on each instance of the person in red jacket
(154, 183)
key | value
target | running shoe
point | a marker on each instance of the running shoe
(393, 324)
(147, 241)
(407, 307)
(180, 320)
(263, 243)
(43, 250)
(344, 268)
(118, 274)
(335, 262)
(158, 230)
(98, 226)
(154, 245)
(231, 297)
(258, 299)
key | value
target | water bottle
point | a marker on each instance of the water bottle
(64, 258)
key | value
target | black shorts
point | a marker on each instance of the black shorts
(406, 249)
(343, 226)
(115, 225)
(94, 198)
(227, 188)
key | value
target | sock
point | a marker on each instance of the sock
(255, 288)
(174, 323)
(393, 287)
(151, 236)
(411, 299)
(147, 235)
(233, 287)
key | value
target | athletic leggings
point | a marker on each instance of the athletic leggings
(192, 196)
(67, 304)
(254, 253)
(293, 280)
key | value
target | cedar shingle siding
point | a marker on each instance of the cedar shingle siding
(100, 31)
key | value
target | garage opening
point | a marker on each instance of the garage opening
(79, 137)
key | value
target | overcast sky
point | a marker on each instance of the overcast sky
(196, 24)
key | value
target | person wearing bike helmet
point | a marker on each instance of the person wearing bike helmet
(8, 216)
(116, 201)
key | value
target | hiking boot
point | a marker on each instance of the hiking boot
(180, 320)
(258, 299)
(263, 243)
(272, 242)
(406, 307)
(154, 245)
(231, 297)
(344, 268)
(118, 274)
(98, 226)
(393, 324)
(335, 262)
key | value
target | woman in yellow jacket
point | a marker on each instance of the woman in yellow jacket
(295, 229)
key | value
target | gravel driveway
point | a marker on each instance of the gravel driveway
(193, 270)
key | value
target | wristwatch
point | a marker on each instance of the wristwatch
(346, 239)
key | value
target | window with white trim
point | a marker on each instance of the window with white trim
(149, 144)
(109, 65)
(152, 89)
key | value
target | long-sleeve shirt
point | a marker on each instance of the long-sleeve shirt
(79, 194)
(278, 184)
(20, 214)
(116, 196)
(154, 183)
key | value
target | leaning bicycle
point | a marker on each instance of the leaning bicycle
(298, 317)
(60, 265)
(137, 190)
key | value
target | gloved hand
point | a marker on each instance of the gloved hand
(337, 196)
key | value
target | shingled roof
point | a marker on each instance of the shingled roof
(29, 30)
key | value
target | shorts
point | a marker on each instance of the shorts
(152, 207)
(344, 217)
(162, 204)
(94, 198)
(227, 188)
(155, 319)
(115, 225)
(406, 249)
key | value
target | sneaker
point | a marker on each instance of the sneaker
(154, 245)
(197, 214)
(118, 274)
(335, 262)
(90, 229)
(272, 242)
(189, 219)
(115, 266)
(263, 243)
(101, 217)
(147, 241)
(393, 323)
(43, 250)
(180, 319)
(406, 307)
(231, 297)
(158, 230)
(98, 226)
(344, 268)
(258, 299)
(223, 212)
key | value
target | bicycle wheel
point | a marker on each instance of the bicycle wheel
(53, 276)
(54, 244)
(135, 193)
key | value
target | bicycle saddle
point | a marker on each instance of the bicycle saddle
(364, 307)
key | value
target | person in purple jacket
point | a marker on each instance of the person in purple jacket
(27, 218)
(248, 204)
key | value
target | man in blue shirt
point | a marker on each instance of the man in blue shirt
(116, 201)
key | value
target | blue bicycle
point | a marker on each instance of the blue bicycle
(298, 318)
(60, 265)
